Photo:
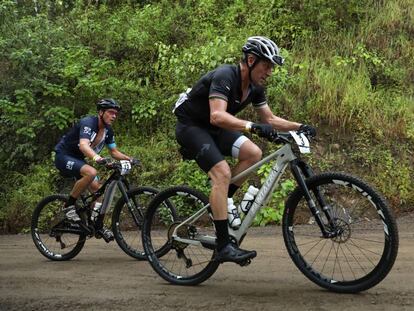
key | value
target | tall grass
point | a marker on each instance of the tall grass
(361, 79)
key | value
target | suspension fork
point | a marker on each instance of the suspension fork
(308, 172)
(125, 183)
(300, 171)
(132, 205)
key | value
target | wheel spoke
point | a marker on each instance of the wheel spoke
(357, 243)
(180, 204)
(124, 221)
(55, 244)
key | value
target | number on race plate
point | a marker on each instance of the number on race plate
(125, 167)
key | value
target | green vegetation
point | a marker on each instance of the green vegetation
(349, 70)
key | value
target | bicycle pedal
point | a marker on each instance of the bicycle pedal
(106, 239)
(245, 262)
(107, 236)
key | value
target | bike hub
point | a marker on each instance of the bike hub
(342, 231)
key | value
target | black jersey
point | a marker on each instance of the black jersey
(224, 82)
(88, 128)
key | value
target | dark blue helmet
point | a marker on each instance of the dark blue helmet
(107, 103)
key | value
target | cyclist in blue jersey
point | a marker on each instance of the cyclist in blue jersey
(207, 130)
(86, 139)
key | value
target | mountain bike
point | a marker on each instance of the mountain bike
(338, 230)
(59, 239)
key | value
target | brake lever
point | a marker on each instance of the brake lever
(274, 137)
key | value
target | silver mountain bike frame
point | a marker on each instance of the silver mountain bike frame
(283, 156)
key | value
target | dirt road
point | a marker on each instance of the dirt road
(102, 277)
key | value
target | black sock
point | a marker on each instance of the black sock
(232, 190)
(71, 201)
(222, 233)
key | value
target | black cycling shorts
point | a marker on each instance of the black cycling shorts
(208, 146)
(69, 165)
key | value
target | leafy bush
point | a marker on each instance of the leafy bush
(273, 212)
(349, 70)
(24, 192)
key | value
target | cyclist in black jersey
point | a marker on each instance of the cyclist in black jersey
(208, 130)
(86, 139)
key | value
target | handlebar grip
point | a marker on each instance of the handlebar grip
(104, 161)
(111, 165)
(135, 162)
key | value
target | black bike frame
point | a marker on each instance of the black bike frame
(123, 185)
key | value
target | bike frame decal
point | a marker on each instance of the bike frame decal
(283, 156)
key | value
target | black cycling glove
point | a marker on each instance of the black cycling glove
(135, 161)
(308, 130)
(103, 161)
(261, 129)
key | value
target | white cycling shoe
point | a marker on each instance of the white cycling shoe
(71, 214)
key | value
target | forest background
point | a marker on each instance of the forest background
(349, 71)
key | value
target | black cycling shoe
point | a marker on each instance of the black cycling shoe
(104, 233)
(231, 253)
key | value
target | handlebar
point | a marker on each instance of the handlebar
(120, 165)
(285, 137)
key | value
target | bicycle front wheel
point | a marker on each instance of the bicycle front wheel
(364, 241)
(54, 236)
(127, 222)
(180, 249)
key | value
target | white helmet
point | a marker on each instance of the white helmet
(263, 48)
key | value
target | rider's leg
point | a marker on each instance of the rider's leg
(69, 165)
(220, 175)
(239, 147)
(248, 155)
(209, 156)
(88, 174)
(101, 231)
(94, 186)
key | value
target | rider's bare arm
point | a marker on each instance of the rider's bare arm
(280, 124)
(220, 118)
(84, 146)
(118, 155)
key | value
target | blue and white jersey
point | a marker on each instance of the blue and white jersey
(88, 128)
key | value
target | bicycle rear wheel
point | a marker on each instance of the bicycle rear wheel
(181, 253)
(364, 246)
(127, 223)
(54, 236)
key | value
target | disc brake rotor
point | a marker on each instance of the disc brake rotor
(343, 231)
